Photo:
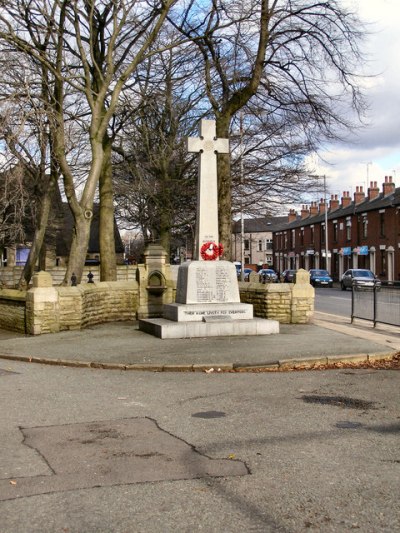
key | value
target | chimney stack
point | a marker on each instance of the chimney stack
(321, 206)
(334, 203)
(305, 212)
(313, 209)
(359, 195)
(373, 190)
(346, 200)
(292, 215)
(388, 187)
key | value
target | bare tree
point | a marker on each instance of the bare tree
(26, 147)
(155, 186)
(89, 49)
(298, 58)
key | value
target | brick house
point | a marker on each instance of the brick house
(363, 232)
(257, 240)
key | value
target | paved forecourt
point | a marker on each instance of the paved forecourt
(121, 344)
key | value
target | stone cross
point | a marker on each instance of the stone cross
(207, 197)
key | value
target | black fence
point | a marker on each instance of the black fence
(379, 304)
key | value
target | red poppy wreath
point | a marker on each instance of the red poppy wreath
(210, 251)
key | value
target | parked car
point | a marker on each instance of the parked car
(360, 277)
(268, 275)
(320, 278)
(246, 273)
(288, 276)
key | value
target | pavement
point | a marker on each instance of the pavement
(120, 345)
(100, 451)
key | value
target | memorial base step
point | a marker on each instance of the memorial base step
(203, 312)
(168, 329)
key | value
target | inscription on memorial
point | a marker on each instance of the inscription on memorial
(221, 282)
(204, 286)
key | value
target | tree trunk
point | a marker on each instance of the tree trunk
(79, 247)
(224, 189)
(39, 234)
(108, 262)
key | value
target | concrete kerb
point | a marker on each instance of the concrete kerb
(276, 366)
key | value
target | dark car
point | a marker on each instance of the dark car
(360, 277)
(268, 275)
(320, 278)
(288, 276)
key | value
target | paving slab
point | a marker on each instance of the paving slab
(112, 453)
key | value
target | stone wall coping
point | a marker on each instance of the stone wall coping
(98, 286)
(12, 294)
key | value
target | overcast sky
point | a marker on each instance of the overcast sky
(375, 151)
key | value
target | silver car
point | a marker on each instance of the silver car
(267, 275)
(359, 277)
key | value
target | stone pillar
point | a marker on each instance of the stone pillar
(303, 295)
(155, 282)
(42, 306)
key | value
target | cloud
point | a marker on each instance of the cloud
(374, 150)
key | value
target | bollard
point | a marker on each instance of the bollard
(90, 277)
(73, 280)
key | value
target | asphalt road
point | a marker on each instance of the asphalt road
(309, 451)
(333, 301)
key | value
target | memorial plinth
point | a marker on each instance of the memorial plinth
(207, 305)
(207, 296)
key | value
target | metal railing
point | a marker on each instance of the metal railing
(378, 304)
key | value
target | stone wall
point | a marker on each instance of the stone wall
(9, 276)
(50, 309)
(289, 303)
(46, 308)
(12, 310)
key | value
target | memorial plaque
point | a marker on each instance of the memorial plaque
(207, 282)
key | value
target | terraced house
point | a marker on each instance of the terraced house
(362, 232)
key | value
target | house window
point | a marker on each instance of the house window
(322, 233)
(302, 236)
(259, 248)
(293, 238)
(348, 230)
(312, 234)
(247, 244)
(335, 232)
(382, 223)
(268, 244)
(365, 227)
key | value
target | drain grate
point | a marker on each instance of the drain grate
(347, 424)
(339, 401)
(209, 414)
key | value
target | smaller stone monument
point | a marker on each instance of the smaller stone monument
(207, 300)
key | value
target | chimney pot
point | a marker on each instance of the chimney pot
(388, 187)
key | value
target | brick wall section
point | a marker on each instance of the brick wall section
(109, 302)
(289, 303)
(70, 307)
(12, 310)
(87, 305)
(50, 309)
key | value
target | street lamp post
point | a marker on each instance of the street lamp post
(326, 227)
(327, 265)
(241, 202)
